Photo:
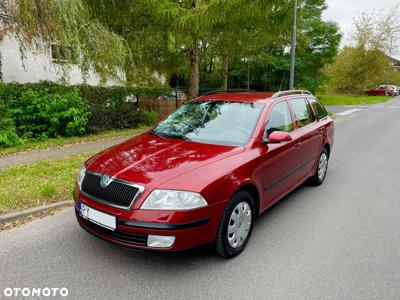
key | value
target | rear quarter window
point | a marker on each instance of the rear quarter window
(303, 111)
(318, 108)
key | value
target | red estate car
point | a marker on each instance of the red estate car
(383, 90)
(204, 173)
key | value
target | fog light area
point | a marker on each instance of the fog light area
(160, 241)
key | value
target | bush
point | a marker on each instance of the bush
(8, 132)
(357, 69)
(42, 114)
(149, 118)
(45, 109)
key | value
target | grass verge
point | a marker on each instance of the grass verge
(62, 141)
(39, 183)
(351, 99)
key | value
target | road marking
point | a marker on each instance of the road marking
(348, 112)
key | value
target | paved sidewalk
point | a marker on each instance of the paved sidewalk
(34, 156)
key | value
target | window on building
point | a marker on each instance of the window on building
(63, 54)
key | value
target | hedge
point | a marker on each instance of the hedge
(45, 109)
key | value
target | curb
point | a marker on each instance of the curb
(31, 211)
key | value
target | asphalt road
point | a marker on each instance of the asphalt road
(337, 241)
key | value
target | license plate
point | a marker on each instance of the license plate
(97, 217)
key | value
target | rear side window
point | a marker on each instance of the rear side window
(303, 111)
(279, 119)
(318, 108)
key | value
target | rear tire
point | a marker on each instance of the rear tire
(321, 170)
(236, 225)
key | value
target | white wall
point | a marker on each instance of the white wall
(39, 66)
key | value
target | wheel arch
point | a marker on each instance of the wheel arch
(328, 148)
(252, 189)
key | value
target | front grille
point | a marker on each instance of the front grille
(125, 237)
(117, 193)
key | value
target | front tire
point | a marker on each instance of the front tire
(236, 225)
(321, 170)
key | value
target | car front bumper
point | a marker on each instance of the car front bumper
(190, 228)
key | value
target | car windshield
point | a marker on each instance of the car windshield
(212, 122)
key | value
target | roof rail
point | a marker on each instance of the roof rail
(226, 91)
(290, 92)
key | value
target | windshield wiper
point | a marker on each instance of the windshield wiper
(155, 133)
(176, 136)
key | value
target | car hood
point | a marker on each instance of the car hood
(152, 160)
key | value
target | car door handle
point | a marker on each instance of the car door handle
(297, 145)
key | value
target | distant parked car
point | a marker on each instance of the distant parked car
(396, 90)
(173, 95)
(382, 90)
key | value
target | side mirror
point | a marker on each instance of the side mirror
(277, 137)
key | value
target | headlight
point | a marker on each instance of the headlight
(173, 200)
(80, 177)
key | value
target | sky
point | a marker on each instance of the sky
(344, 11)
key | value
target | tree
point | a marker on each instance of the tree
(40, 23)
(188, 40)
(364, 64)
(318, 44)
(356, 69)
(200, 30)
(245, 29)
(269, 58)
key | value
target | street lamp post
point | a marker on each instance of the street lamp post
(293, 46)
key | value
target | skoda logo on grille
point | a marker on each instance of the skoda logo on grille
(105, 181)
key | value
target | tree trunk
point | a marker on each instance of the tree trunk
(193, 72)
(193, 65)
(225, 70)
(1, 68)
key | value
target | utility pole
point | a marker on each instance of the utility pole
(293, 46)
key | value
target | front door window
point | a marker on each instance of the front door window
(279, 119)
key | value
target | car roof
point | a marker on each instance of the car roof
(238, 96)
(254, 96)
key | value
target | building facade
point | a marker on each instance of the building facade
(45, 65)
(395, 63)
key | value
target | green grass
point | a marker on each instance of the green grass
(62, 141)
(351, 99)
(39, 183)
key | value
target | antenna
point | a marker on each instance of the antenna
(283, 77)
